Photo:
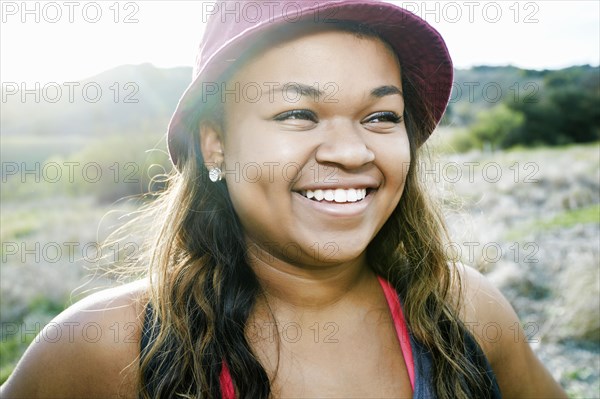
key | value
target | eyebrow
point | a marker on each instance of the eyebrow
(387, 90)
(298, 88)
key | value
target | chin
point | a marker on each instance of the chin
(332, 253)
(326, 248)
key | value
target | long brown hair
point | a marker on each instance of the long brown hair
(202, 289)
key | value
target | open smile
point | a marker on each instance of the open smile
(338, 202)
(338, 195)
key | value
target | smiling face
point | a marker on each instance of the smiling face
(314, 148)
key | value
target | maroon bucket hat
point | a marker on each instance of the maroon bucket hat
(233, 25)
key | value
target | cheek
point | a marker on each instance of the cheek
(259, 172)
(251, 140)
(394, 160)
(265, 158)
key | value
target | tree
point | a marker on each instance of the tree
(498, 127)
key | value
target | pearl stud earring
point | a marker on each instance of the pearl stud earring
(215, 174)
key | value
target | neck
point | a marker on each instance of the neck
(311, 288)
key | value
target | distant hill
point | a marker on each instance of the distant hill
(129, 98)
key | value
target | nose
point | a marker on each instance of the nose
(345, 146)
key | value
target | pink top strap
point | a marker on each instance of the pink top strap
(228, 392)
(401, 330)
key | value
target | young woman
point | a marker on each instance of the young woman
(296, 254)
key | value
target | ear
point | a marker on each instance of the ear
(211, 145)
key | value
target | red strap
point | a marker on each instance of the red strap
(227, 390)
(394, 303)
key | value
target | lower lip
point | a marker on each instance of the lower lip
(336, 209)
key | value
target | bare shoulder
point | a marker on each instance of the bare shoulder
(484, 310)
(489, 316)
(90, 350)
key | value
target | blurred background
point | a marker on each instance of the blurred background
(88, 89)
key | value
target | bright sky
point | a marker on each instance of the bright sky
(529, 34)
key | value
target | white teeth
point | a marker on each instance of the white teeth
(329, 195)
(351, 196)
(338, 195)
(319, 195)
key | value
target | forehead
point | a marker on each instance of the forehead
(336, 57)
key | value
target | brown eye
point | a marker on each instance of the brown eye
(297, 119)
(382, 117)
(382, 121)
(298, 114)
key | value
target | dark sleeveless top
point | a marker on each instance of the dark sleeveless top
(418, 359)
